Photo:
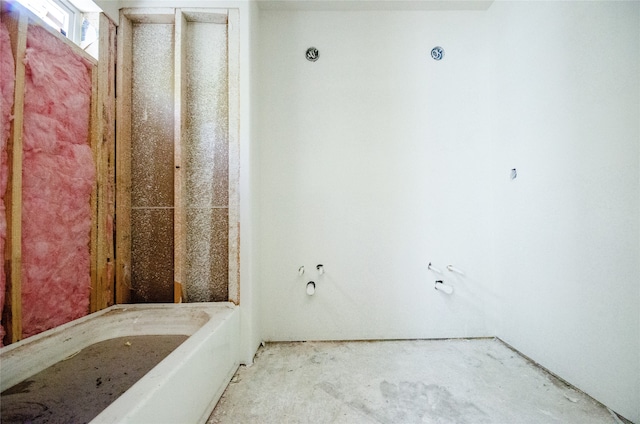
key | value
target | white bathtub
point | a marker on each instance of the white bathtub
(183, 388)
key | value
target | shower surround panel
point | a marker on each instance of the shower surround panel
(152, 145)
(182, 144)
(206, 162)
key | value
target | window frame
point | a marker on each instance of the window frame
(73, 15)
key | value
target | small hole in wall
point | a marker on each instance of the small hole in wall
(513, 174)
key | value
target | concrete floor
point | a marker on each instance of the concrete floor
(424, 381)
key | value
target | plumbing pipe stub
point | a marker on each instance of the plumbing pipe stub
(311, 288)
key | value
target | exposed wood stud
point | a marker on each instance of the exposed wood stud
(94, 142)
(157, 15)
(102, 141)
(17, 24)
(123, 161)
(104, 289)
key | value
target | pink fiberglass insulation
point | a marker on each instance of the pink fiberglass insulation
(7, 82)
(57, 179)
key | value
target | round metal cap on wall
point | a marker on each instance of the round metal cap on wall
(437, 53)
(312, 54)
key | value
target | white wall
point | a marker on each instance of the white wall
(376, 160)
(251, 335)
(567, 115)
(373, 162)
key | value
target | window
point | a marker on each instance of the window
(60, 14)
(63, 16)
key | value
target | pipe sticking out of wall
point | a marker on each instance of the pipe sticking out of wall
(311, 288)
(434, 269)
(443, 287)
(454, 269)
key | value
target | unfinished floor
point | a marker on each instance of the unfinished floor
(421, 381)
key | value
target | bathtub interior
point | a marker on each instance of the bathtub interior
(208, 357)
(80, 387)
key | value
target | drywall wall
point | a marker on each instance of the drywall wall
(375, 160)
(566, 115)
(373, 163)
(251, 335)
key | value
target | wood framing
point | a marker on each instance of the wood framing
(103, 290)
(17, 20)
(110, 243)
(123, 161)
(17, 24)
(154, 15)
(95, 149)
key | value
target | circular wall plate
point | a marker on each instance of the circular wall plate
(312, 54)
(437, 53)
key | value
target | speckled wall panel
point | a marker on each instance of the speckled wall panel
(152, 116)
(207, 254)
(152, 191)
(206, 150)
(152, 253)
